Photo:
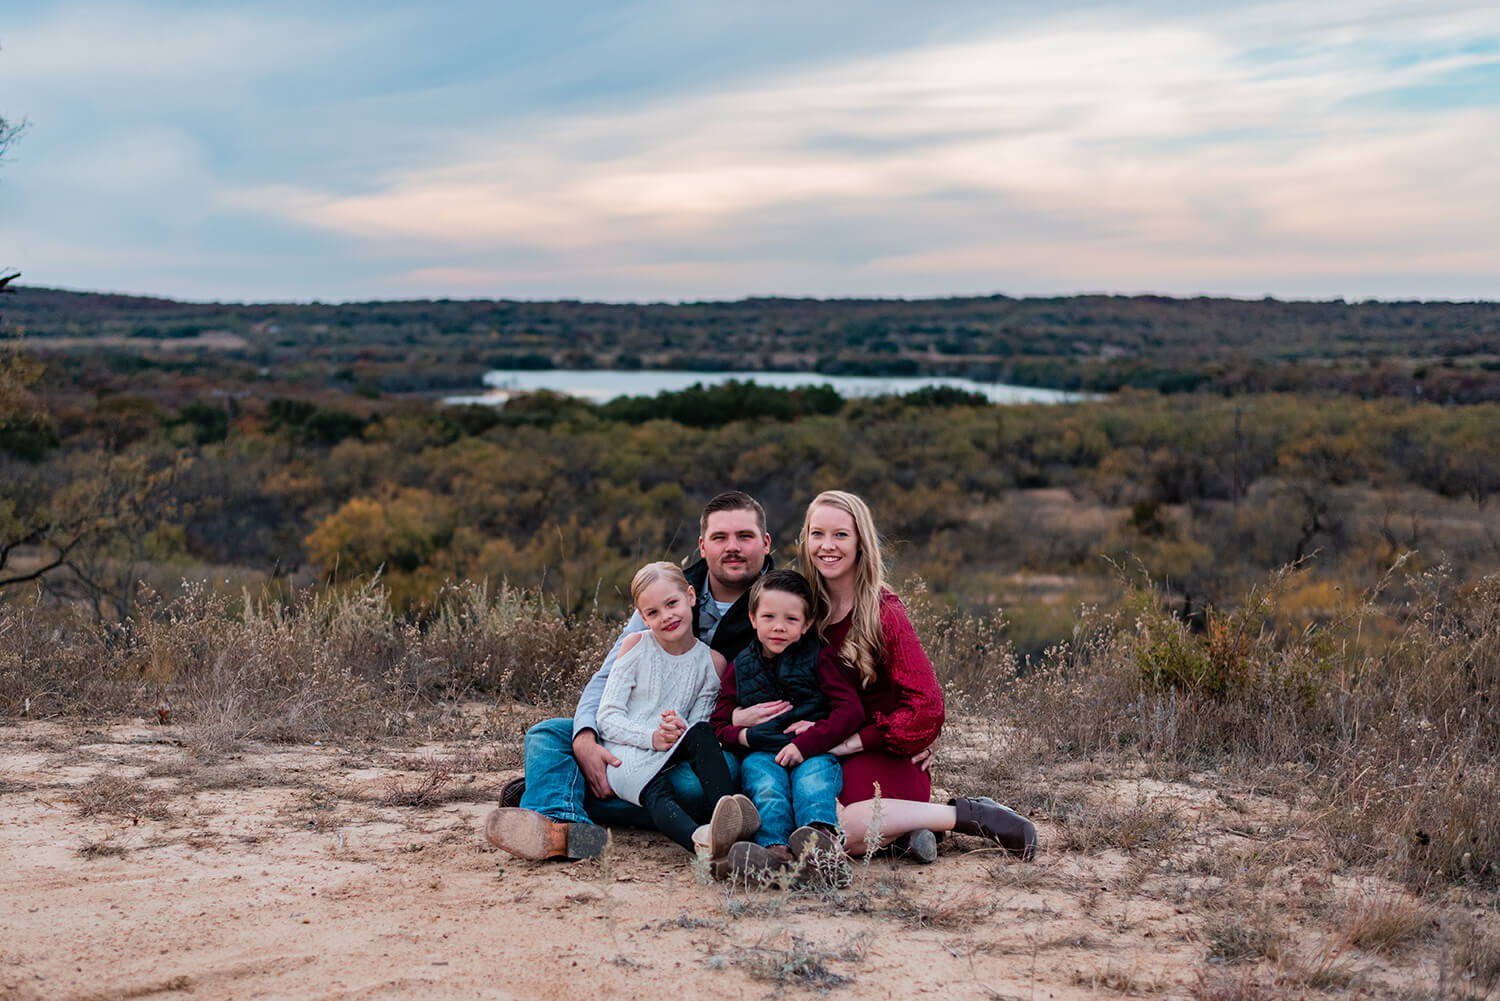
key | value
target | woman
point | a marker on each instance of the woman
(864, 626)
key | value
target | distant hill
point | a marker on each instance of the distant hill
(1447, 351)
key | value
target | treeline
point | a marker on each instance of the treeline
(983, 502)
(1445, 352)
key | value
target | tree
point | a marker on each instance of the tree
(9, 133)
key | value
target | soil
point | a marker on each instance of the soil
(139, 869)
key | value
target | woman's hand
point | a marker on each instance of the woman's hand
(758, 713)
(789, 756)
(799, 727)
(924, 758)
(849, 745)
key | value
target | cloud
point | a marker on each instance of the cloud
(1161, 132)
(1183, 150)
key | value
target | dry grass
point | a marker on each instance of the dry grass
(1382, 715)
(799, 963)
(115, 796)
(1387, 922)
(316, 665)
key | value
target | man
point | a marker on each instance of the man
(565, 796)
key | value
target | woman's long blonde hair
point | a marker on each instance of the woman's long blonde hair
(865, 645)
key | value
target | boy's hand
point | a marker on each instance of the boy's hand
(799, 727)
(789, 756)
(758, 713)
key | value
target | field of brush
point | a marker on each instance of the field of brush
(280, 799)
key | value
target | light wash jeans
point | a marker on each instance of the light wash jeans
(788, 798)
(556, 788)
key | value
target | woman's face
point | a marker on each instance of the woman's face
(832, 542)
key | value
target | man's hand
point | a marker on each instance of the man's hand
(593, 760)
(924, 758)
(789, 756)
(758, 713)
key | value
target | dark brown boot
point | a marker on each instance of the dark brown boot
(983, 816)
(512, 791)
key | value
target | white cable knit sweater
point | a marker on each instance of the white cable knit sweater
(643, 684)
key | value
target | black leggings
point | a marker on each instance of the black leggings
(699, 747)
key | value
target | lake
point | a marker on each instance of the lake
(601, 385)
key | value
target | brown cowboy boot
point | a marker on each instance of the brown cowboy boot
(983, 816)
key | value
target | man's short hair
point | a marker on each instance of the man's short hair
(732, 500)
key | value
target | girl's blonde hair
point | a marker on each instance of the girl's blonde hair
(653, 572)
(865, 645)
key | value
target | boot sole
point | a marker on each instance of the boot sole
(529, 835)
(724, 827)
(749, 817)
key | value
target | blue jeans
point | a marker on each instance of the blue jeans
(788, 798)
(555, 786)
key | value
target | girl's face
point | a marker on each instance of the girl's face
(668, 611)
(832, 541)
(780, 620)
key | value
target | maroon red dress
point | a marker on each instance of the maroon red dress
(903, 710)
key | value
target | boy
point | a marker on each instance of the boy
(787, 772)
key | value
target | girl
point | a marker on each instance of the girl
(658, 673)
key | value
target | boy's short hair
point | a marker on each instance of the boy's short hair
(732, 500)
(789, 581)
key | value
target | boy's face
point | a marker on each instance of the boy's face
(780, 620)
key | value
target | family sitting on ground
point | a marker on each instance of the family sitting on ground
(809, 691)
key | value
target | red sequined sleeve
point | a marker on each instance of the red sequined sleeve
(914, 716)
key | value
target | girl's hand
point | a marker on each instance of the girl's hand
(670, 718)
(663, 738)
(758, 713)
(789, 756)
(924, 758)
(798, 728)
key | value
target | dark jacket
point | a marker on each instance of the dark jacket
(735, 630)
(793, 676)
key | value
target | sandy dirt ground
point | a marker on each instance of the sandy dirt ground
(137, 869)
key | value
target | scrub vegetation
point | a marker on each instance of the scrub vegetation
(1239, 653)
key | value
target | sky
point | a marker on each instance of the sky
(673, 150)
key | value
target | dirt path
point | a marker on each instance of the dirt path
(135, 870)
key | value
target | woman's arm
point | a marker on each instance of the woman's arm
(918, 716)
(845, 711)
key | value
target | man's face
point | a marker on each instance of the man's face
(735, 549)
